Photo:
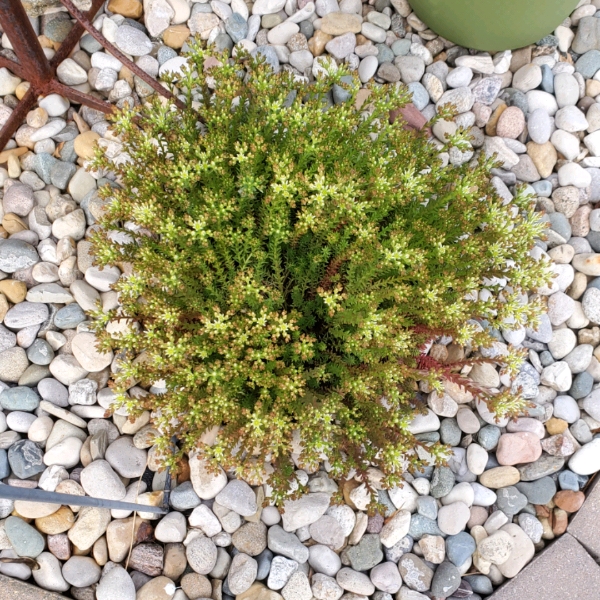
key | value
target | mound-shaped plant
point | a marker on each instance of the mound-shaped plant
(286, 262)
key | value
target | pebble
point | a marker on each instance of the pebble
(453, 518)
(415, 573)
(446, 579)
(460, 547)
(517, 448)
(587, 459)
(100, 481)
(201, 554)
(116, 584)
(242, 573)
(81, 571)
(522, 552)
(132, 41)
(25, 540)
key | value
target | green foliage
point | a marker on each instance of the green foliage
(287, 263)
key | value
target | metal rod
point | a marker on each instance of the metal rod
(74, 36)
(9, 492)
(155, 85)
(81, 98)
(15, 67)
(26, 46)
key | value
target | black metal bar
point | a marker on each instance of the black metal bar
(26, 46)
(8, 492)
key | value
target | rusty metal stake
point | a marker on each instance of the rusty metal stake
(34, 67)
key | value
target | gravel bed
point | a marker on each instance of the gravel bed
(456, 531)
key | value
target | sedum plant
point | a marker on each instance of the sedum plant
(287, 264)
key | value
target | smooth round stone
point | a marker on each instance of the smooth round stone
(539, 126)
(488, 437)
(499, 477)
(526, 424)
(496, 548)
(415, 571)
(582, 386)
(81, 571)
(89, 357)
(264, 560)
(581, 431)
(586, 460)
(461, 492)
(19, 398)
(477, 459)
(467, 421)
(531, 526)
(442, 482)
(183, 497)
(427, 506)
(544, 466)
(450, 432)
(65, 453)
(26, 459)
(127, 460)
(49, 575)
(540, 491)
(25, 539)
(100, 481)
(453, 518)
(459, 77)
(523, 551)
(424, 423)
(13, 363)
(206, 483)
(15, 255)
(567, 480)
(367, 68)
(69, 316)
(132, 41)
(53, 391)
(460, 547)
(40, 352)
(420, 96)
(238, 496)
(201, 555)
(324, 560)
(67, 369)
(171, 528)
(326, 530)
(26, 314)
(385, 577)
(566, 408)
(354, 582)
(517, 448)
(482, 496)
(511, 500)
(446, 579)
(116, 584)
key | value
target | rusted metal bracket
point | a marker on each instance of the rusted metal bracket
(34, 67)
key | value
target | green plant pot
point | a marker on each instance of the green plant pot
(493, 24)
